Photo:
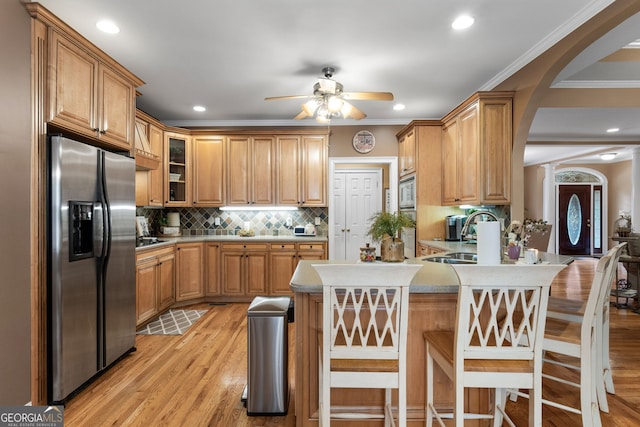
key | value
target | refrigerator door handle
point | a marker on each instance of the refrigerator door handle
(98, 230)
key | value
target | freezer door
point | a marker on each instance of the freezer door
(72, 290)
(120, 271)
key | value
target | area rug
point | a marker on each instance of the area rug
(173, 322)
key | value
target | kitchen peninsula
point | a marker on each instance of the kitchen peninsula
(433, 298)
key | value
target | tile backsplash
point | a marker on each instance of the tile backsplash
(201, 221)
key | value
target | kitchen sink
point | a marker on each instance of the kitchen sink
(467, 256)
(454, 258)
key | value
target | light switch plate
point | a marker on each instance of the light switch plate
(216, 220)
(317, 220)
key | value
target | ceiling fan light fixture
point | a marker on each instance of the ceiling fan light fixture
(310, 107)
(334, 104)
(608, 156)
(322, 119)
(327, 86)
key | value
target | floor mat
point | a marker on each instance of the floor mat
(173, 322)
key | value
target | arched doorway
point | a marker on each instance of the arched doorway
(581, 212)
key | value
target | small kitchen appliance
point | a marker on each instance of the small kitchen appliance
(453, 227)
(304, 230)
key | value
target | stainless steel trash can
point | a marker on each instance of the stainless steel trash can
(268, 356)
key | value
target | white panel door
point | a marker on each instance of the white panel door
(357, 196)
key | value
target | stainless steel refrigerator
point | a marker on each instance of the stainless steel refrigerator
(91, 262)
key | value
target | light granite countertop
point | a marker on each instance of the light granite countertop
(165, 241)
(471, 247)
(433, 277)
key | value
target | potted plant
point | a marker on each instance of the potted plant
(386, 227)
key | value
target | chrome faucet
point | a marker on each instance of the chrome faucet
(471, 220)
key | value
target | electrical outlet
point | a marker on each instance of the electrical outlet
(216, 220)
(289, 221)
(317, 220)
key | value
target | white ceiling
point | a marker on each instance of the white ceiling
(229, 56)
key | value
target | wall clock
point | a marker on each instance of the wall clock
(364, 141)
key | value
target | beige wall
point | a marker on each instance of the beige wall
(533, 177)
(341, 138)
(15, 176)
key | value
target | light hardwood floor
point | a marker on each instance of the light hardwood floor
(197, 379)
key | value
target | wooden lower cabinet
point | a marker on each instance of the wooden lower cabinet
(283, 260)
(212, 269)
(166, 276)
(146, 289)
(155, 282)
(220, 270)
(189, 277)
(244, 269)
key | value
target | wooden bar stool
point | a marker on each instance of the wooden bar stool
(497, 342)
(573, 310)
(363, 343)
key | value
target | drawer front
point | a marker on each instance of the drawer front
(283, 246)
(245, 246)
(311, 246)
(143, 255)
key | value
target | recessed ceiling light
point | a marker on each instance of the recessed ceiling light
(399, 107)
(199, 108)
(462, 22)
(108, 27)
(608, 156)
(611, 130)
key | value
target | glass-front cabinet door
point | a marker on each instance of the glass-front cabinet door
(177, 167)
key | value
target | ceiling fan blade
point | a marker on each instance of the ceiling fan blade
(369, 96)
(351, 112)
(301, 115)
(278, 98)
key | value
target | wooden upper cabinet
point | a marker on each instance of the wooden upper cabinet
(476, 151)
(288, 170)
(149, 182)
(407, 154)
(116, 109)
(314, 153)
(208, 171)
(450, 163)
(177, 178)
(263, 170)
(250, 175)
(468, 156)
(87, 95)
(156, 176)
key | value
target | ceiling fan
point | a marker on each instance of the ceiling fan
(329, 100)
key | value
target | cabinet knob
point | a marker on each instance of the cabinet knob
(102, 132)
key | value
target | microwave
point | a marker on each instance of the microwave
(407, 193)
